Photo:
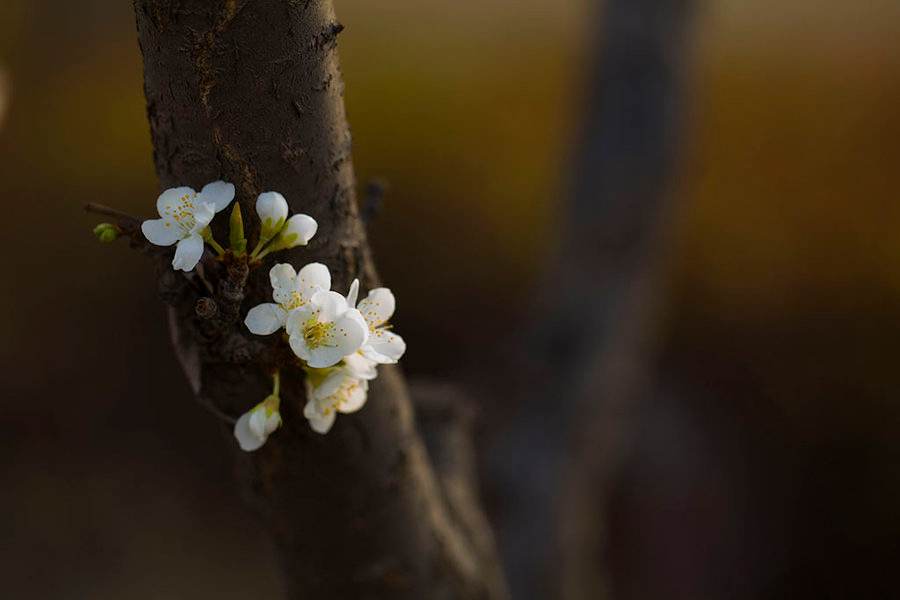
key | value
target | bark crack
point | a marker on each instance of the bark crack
(206, 44)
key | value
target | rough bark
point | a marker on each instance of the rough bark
(589, 349)
(250, 91)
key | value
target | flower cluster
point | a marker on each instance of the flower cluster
(185, 216)
(338, 341)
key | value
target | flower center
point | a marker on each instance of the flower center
(315, 333)
(341, 396)
(295, 301)
(183, 212)
(347, 390)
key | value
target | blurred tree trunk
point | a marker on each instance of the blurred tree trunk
(589, 354)
(251, 92)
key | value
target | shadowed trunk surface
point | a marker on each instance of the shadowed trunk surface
(250, 92)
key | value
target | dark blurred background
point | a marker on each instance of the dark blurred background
(766, 465)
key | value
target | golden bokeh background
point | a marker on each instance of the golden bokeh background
(783, 273)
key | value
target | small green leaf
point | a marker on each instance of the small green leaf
(236, 234)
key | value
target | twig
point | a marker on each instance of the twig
(100, 209)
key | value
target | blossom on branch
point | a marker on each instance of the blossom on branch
(186, 215)
(277, 232)
(339, 343)
(339, 391)
(325, 330)
(254, 426)
(382, 345)
(290, 290)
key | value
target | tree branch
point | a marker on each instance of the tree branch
(590, 349)
(358, 513)
(100, 209)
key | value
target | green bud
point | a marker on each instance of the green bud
(107, 232)
(236, 232)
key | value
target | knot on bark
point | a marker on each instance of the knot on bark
(230, 292)
(206, 308)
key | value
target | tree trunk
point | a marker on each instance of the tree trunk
(250, 91)
(589, 353)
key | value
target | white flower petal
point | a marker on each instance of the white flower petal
(313, 278)
(378, 306)
(320, 423)
(298, 230)
(354, 314)
(354, 396)
(272, 209)
(263, 422)
(218, 193)
(299, 347)
(345, 338)
(353, 294)
(329, 386)
(283, 278)
(321, 357)
(273, 422)
(161, 232)
(384, 347)
(247, 440)
(350, 331)
(330, 304)
(257, 423)
(264, 319)
(171, 198)
(203, 216)
(188, 253)
(360, 367)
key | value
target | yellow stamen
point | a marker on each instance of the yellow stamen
(315, 333)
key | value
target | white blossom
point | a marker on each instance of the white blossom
(277, 232)
(254, 427)
(325, 330)
(186, 214)
(382, 346)
(340, 391)
(290, 290)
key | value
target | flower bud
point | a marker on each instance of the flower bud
(236, 231)
(254, 427)
(272, 209)
(106, 232)
(298, 230)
